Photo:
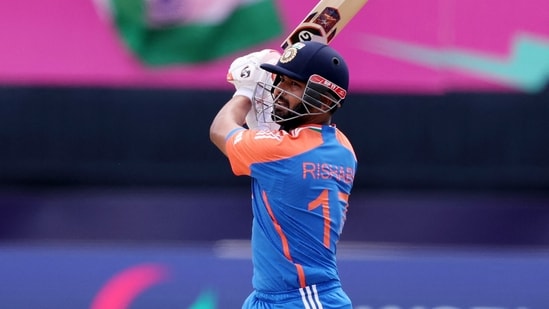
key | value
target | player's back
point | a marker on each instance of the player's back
(300, 194)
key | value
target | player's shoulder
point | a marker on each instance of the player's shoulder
(278, 144)
(301, 134)
(343, 140)
(264, 137)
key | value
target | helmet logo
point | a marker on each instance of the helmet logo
(288, 55)
(319, 80)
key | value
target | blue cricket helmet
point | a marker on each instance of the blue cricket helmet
(303, 59)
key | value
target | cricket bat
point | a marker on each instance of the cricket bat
(325, 21)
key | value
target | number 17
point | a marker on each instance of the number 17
(324, 200)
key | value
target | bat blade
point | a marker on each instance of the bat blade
(325, 21)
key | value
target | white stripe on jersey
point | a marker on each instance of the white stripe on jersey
(310, 298)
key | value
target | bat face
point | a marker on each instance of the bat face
(325, 21)
(318, 27)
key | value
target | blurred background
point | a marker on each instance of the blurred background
(113, 197)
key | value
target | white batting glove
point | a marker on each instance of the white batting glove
(244, 72)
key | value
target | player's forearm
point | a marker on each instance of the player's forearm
(231, 116)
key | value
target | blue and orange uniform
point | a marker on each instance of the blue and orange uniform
(301, 182)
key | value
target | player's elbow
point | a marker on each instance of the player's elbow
(217, 137)
(214, 134)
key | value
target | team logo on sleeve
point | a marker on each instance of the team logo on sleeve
(267, 134)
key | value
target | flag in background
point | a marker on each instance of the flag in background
(168, 32)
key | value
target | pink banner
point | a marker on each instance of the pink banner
(391, 46)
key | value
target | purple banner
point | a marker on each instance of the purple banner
(208, 277)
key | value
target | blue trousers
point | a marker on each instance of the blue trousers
(316, 296)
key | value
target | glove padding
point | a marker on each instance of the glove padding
(244, 73)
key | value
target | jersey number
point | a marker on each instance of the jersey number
(323, 200)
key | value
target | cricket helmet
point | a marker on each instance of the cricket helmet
(320, 67)
(303, 59)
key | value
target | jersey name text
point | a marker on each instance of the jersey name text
(328, 171)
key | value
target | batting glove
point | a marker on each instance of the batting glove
(244, 72)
